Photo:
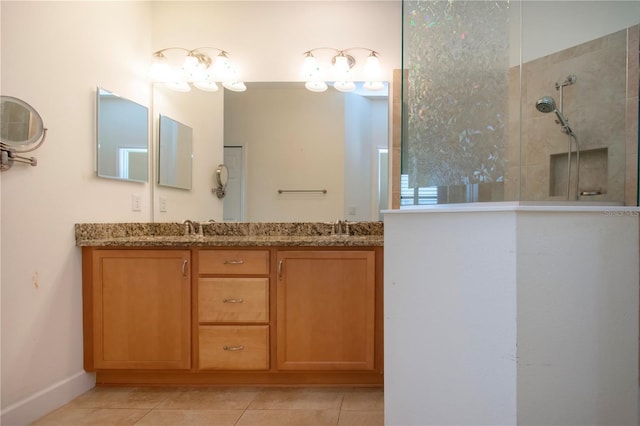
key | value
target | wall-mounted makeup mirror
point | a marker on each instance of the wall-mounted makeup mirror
(122, 138)
(21, 130)
(175, 153)
(20, 123)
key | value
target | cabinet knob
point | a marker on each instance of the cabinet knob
(232, 300)
(233, 348)
(234, 262)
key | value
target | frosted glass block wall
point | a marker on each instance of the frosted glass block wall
(456, 54)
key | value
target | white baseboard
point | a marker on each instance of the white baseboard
(37, 405)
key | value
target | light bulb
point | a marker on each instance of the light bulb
(222, 68)
(316, 86)
(345, 86)
(193, 68)
(341, 68)
(310, 67)
(160, 69)
(372, 69)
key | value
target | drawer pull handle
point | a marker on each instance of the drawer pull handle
(280, 269)
(232, 300)
(233, 348)
(233, 262)
(184, 267)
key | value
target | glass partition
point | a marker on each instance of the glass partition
(507, 101)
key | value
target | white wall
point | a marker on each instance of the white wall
(450, 319)
(54, 54)
(507, 314)
(578, 318)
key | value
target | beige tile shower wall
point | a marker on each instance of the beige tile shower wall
(602, 109)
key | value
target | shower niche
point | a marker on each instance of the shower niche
(592, 177)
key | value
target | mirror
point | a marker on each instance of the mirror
(280, 136)
(309, 156)
(21, 125)
(175, 153)
(122, 138)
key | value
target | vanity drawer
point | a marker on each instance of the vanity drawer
(233, 299)
(234, 262)
(226, 347)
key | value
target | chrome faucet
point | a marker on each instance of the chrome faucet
(189, 227)
(201, 225)
(340, 227)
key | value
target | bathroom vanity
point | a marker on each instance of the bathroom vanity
(242, 304)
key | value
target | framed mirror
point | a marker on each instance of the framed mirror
(122, 138)
(175, 153)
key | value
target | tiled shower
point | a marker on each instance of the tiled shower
(602, 109)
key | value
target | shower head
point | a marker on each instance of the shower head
(548, 104)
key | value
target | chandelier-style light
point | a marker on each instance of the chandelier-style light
(178, 67)
(343, 70)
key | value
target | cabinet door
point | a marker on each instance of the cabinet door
(141, 309)
(325, 310)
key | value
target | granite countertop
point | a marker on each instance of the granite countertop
(222, 234)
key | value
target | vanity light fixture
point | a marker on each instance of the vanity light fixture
(178, 67)
(342, 69)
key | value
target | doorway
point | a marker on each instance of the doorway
(233, 203)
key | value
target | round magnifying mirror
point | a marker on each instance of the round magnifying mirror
(222, 177)
(21, 125)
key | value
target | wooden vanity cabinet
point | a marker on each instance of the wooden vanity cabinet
(234, 316)
(233, 309)
(326, 310)
(137, 309)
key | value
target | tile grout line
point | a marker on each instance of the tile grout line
(247, 407)
(340, 409)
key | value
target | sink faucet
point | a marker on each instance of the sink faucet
(201, 225)
(340, 227)
(189, 227)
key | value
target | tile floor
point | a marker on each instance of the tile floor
(222, 406)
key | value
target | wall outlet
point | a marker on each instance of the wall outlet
(351, 211)
(136, 202)
(163, 204)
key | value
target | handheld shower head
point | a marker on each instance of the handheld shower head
(547, 104)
